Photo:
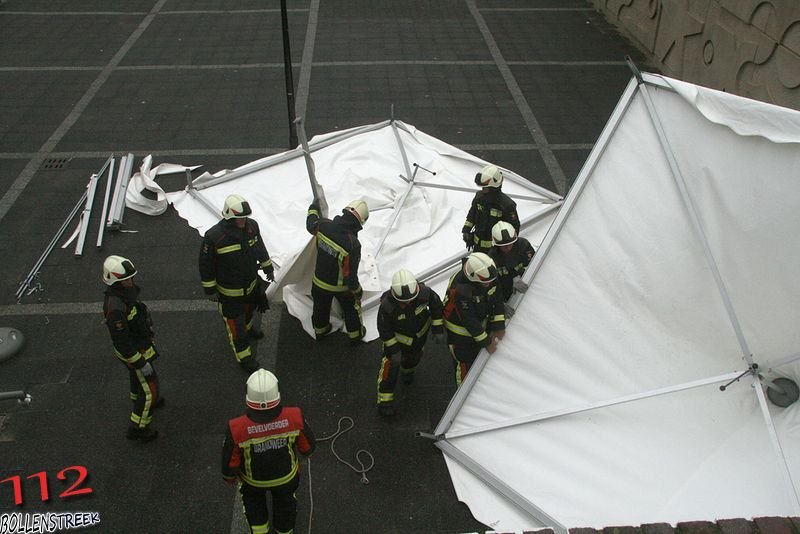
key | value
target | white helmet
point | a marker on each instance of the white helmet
(503, 234)
(236, 207)
(404, 285)
(116, 269)
(490, 176)
(262, 390)
(359, 209)
(480, 268)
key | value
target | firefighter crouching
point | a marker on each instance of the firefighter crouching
(489, 205)
(336, 270)
(260, 450)
(231, 253)
(407, 312)
(130, 326)
(473, 312)
(511, 255)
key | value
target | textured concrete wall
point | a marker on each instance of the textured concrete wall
(747, 47)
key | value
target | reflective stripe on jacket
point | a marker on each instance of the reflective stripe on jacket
(471, 311)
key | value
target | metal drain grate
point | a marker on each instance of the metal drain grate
(52, 164)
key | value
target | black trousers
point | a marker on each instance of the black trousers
(463, 358)
(321, 314)
(284, 506)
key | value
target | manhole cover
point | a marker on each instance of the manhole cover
(52, 164)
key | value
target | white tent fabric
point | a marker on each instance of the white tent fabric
(415, 216)
(671, 268)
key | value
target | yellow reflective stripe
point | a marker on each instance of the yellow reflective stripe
(239, 292)
(385, 397)
(457, 329)
(150, 352)
(481, 337)
(131, 360)
(468, 224)
(132, 313)
(494, 212)
(483, 243)
(405, 340)
(328, 287)
(210, 283)
(492, 290)
(267, 263)
(229, 248)
(230, 292)
(313, 212)
(497, 318)
(390, 342)
(333, 244)
(425, 327)
(437, 322)
(260, 529)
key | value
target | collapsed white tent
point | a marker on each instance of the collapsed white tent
(671, 270)
(418, 189)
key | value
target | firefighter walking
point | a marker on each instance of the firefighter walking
(336, 270)
(131, 329)
(489, 205)
(408, 311)
(260, 451)
(473, 312)
(511, 255)
(231, 253)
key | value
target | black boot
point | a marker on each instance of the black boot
(386, 409)
(142, 434)
(249, 365)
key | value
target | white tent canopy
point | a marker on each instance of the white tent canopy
(671, 270)
(418, 190)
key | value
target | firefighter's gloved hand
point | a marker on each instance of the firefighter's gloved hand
(147, 370)
(520, 286)
(467, 239)
(269, 272)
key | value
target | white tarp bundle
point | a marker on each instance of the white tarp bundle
(671, 268)
(415, 216)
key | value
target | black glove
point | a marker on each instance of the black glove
(269, 272)
(262, 303)
(468, 240)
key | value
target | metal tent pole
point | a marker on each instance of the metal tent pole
(106, 198)
(501, 487)
(688, 201)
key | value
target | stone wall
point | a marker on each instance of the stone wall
(746, 47)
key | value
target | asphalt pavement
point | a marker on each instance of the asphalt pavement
(526, 84)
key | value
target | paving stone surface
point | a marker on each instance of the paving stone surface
(527, 84)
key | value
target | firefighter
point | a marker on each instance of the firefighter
(231, 253)
(131, 329)
(473, 312)
(407, 312)
(260, 450)
(336, 271)
(489, 206)
(511, 255)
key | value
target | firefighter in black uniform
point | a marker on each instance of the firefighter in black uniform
(407, 312)
(489, 206)
(511, 256)
(336, 271)
(260, 450)
(473, 312)
(230, 256)
(131, 330)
